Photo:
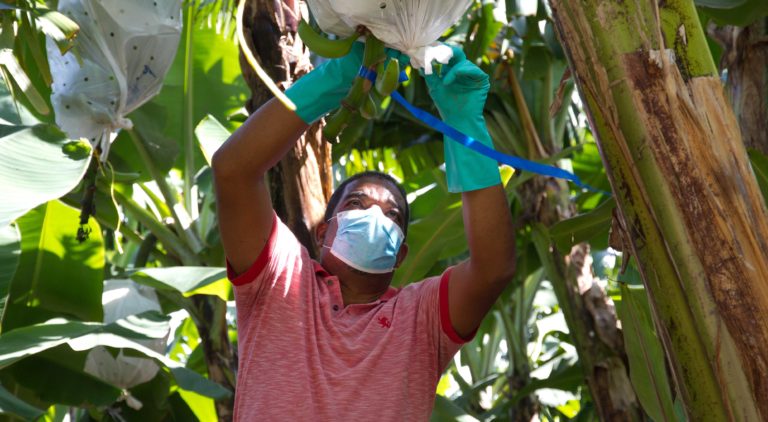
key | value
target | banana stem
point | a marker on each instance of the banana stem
(255, 63)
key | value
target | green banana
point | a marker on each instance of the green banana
(336, 123)
(387, 81)
(323, 46)
(352, 105)
(437, 68)
(369, 109)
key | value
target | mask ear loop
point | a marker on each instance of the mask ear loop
(324, 246)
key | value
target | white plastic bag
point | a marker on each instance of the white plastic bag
(411, 26)
(122, 298)
(126, 48)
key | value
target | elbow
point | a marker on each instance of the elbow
(219, 163)
(504, 271)
(224, 168)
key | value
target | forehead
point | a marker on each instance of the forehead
(378, 190)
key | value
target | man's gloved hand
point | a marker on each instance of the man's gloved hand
(320, 91)
(459, 93)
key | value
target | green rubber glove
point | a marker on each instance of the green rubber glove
(320, 91)
(459, 93)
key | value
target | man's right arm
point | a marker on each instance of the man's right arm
(244, 206)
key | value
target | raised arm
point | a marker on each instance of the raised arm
(242, 198)
(476, 283)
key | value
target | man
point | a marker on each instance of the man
(331, 340)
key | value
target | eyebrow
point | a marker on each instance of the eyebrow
(361, 194)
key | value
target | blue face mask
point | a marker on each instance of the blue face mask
(367, 240)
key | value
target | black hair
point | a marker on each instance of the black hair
(337, 194)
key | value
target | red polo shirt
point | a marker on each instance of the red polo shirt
(303, 355)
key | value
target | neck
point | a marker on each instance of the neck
(360, 287)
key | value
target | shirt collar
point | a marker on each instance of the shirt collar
(319, 270)
(322, 272)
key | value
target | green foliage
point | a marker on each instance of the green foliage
(186, 280)
(79, 336)
(591, 227)
(760, 166)
(646, 357)
(10, 250)
(11, 405)
(56, 274)
(37, 164)
(733, 12)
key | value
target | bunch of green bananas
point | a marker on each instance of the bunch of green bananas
(361, 101)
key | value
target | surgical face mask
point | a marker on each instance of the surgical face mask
(367, 240)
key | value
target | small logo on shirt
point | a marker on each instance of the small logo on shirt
(385, 322)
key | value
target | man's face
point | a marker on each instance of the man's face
(363, 194)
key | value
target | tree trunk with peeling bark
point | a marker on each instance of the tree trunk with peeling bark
(745, 57)
(301, 183)
(690, 208)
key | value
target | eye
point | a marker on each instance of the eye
(393, 214)
(355, 203)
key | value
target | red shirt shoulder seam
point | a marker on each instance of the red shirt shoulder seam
(261, 261)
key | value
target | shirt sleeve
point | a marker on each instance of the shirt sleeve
(281, 253)
(434, 316)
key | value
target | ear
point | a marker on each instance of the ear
(320, 230)
(401, 254)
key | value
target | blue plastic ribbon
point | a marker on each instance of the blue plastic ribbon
(477, 146)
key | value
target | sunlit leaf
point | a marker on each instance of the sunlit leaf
(37, 164)
(59, 27)
(181, 279)
(56, 273)
(12, 65)
(203, 407)
(211, 135)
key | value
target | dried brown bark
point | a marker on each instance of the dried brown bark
(301, 183)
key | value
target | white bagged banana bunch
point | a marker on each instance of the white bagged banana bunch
(123, 298)
(125, 49)
(410, 26)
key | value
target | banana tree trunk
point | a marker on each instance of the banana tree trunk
(745, 56)
(689, 203)
(301, 183)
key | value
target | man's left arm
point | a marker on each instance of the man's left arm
(475, 284)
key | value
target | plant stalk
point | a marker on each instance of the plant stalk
(168, 194)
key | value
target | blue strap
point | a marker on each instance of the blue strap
(477, 146)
